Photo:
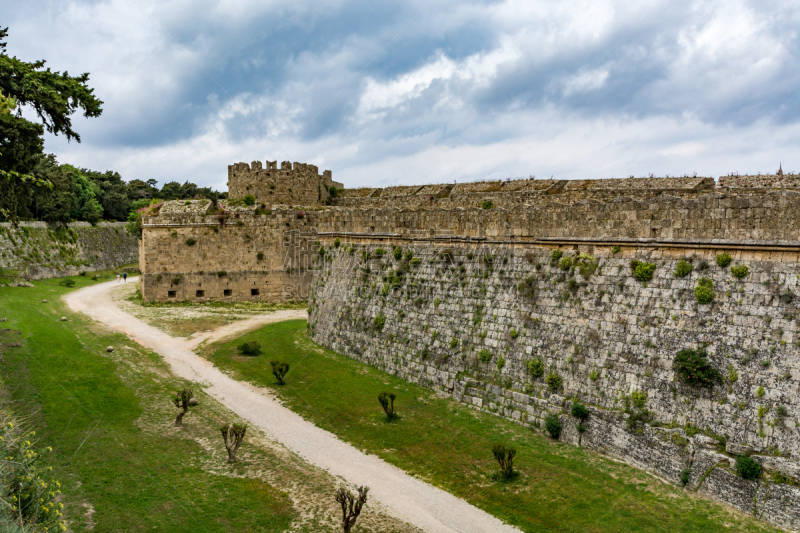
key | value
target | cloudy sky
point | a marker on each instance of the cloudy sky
(387, 92)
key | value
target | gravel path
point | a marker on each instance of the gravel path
(402, 496)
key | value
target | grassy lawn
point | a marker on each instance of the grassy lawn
(560, 487)
(121, 466)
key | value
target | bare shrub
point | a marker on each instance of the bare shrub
(233, 435)
(181, 401)
(351, 505)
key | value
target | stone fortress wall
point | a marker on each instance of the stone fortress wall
(480, 298)
(191, 250)
(36, 250)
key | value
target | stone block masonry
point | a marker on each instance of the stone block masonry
(234, 256)
(466, 320)
(475, 306)
(36, 250)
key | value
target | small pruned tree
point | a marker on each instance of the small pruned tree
(387, 402)
(505, 458)
(279, 370)
(181, 401)
(233, 435)
(351, 505)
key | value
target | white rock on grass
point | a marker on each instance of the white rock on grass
(110, 349)
(63, 319)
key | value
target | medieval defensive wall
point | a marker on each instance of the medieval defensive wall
(519, 297)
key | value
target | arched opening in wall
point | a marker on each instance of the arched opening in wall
(200, 294)
(171, 294)
(653, 233)
(227, 292)
(254, 292)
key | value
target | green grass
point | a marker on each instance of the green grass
(560, 487)
(136, 478)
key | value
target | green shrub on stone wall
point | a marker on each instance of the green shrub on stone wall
(724, 259)
(740, 271)
(378, 322)
(485, 356)
(579, 411)
(642, 271)
(704, 292)
(553, 426)
(555, 256)
(565, 263)
(747, 467)
(683, 268)
(692, 367)
(337, 242)
(501, 363)
(639, 398)
(191, 242)
(487, 204)
(397, 253)
(554, 380)
(536, 367)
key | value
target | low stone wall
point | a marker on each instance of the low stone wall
(36, 250)
(466, 321)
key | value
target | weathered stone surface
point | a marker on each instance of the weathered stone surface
(738, 449)
(35, 250)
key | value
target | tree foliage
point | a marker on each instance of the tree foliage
(76, 193)
(52, 95)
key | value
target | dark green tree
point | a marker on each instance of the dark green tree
(52, 95)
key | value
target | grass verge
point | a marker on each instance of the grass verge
(119, 470)
(559, 487)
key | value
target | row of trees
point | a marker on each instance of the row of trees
(33, 185)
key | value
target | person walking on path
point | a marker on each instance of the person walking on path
(125, 277)
(117, 278)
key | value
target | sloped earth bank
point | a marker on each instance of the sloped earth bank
(402, 496)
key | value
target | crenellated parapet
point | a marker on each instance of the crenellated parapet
(297, 184)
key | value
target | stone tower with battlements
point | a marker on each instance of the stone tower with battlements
(292, 184)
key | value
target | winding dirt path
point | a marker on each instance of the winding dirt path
(401, 495)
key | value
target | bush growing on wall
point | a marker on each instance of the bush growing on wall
(692, 367)
(485, 356)
(740, 271)
(724, 259)
(642, 271)
(555, 256)
(536, 367)
(378, 322)
(553, 381)
(565, 263)
(747, 467)
(553, 426)
(683, 268)
(704, 292)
